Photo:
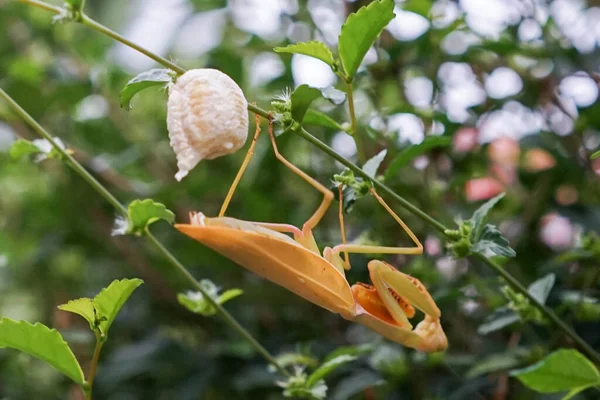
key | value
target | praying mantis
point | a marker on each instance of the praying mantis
(297, 264)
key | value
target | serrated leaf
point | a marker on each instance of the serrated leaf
(595, 155)
(83, 307)
(314, 117)
(198, 304)
(560, 371)
(109, 301)
(479, 217)
(313, 49)
(22, 148)
(499, 319)
(372, 165)
(301, 98)
(327, 368)
(142, 213)
(152, 78)
(41, 342)
(540, 289)
(360, 31)
(492, 239)
(411, 152)
(421, 7)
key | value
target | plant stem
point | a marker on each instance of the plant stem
(545, 310)
(328, 150)
(92, 374)
(224, 313)
(360, 150)
(79, 169)
(67, 157)
(85, 20)
(43, 5)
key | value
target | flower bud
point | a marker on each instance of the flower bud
(207, 117)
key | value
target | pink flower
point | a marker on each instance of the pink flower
(465, 140)
(556, 232)
(537, 160)
(482, 189)
(596, 166)
(504, 151)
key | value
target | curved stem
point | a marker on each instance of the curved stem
(92, 374)
(380, 186)
(79, 169)
(360, 151)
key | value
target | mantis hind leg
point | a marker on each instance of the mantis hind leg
(333, 254)
(307, 238)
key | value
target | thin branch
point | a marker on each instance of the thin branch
(156, 244)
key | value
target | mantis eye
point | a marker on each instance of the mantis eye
(207, 117)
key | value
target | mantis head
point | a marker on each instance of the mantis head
(387, 306)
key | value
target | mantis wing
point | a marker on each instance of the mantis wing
(282, 262)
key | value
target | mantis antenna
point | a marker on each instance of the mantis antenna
(327, 195)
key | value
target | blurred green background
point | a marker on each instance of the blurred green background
(499, 77)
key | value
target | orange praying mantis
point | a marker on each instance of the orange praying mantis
(298, 265)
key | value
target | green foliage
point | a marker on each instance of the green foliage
(153, 78)
(561, 371)
(519, 307)
(301, 99)
(42, 148)
(304, 386)
(421, 7)
(413, 151)
(102, 310)
(360, 31)
(476, 236)
(41, 342)
(314, 49)
(197, 303)
(140, 215)
(595, 155)
(372, 164)
(314, 117)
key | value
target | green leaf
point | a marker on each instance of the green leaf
(302, 97)
(313, 49)
(314, 117)
(372, 165)
(75, 5)
(84, 307)
(493, 363)
(109, 301)
(360, 31)
(41, 342)
(595, 155)
(412, 152)
(334, 95)
(560, 371)
(141, 214)
(154, 77)
(229, 295)
(421, 7)
(198, 304)
(327, 368)
(22, 148)
(499, 319)
(492, 239)
(540, 289)
(479, 217)
(354, 351)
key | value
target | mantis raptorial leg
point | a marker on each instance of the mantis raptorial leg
(356, 248)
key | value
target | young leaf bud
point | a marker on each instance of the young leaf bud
(206, 117)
